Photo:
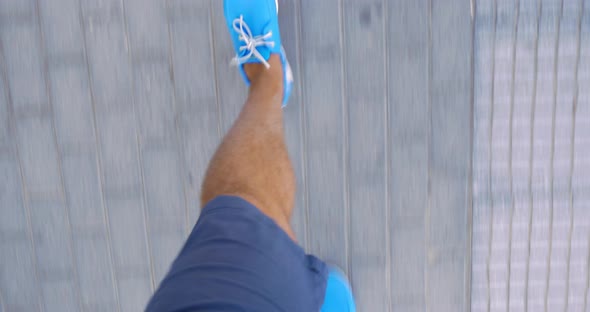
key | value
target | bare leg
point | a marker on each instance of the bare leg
(252, 161)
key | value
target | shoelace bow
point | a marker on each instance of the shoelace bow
(251, 43)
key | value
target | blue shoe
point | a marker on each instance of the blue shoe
(338, 293)
(254, 29)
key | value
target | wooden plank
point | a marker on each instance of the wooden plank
(112, 82)
(556, 293)
(483, 77)
(542, 132)
(107, 54)
(501, 202)
(407, 44)
(135, 292)
(147, 27)
(13, 219)
(522, 118)
(97, 286)
(366, 149)
(289, 20)
(60, 25)
(448, 218)
(324, 124)
(72, 107)
(231, 89)
(130, 251)
(5, 136)
(579, 276)
(39, 156)
(58, 241)
(55, 262)
(59, 295)
(197, 114)
(155, 107)
(146, 35)
(91, 238)
(23, 59)
(165, 207)
(19, 284)
(19, 277)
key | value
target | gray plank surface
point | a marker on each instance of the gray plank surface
(448, 216)
(197, 108)
(98, 290)
(155, 110)
(107, 52)
(579, 277)
(366, 100)
(482, 227)
(409, 116)
(535, 235)
(556, 292)
(110, 111)
(19, 278)
(125, 106)
(131, 261)
(230, 88)
(325, 123)
(165, 207)
(521, 99)
(23, 60)
(542, 128)
(294, 117)
(18, 281)
(501, 152)
(60, 25)
(4, 108)
(39, 156)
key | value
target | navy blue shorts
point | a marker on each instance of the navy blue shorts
(238, 259)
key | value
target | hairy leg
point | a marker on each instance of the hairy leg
(252, 161)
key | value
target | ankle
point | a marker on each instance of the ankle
(255, 71)
(271, 79)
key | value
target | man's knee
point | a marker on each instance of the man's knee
(277, 210)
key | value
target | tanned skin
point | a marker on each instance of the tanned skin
(252, 161)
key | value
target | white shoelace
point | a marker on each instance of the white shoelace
(251, 43)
